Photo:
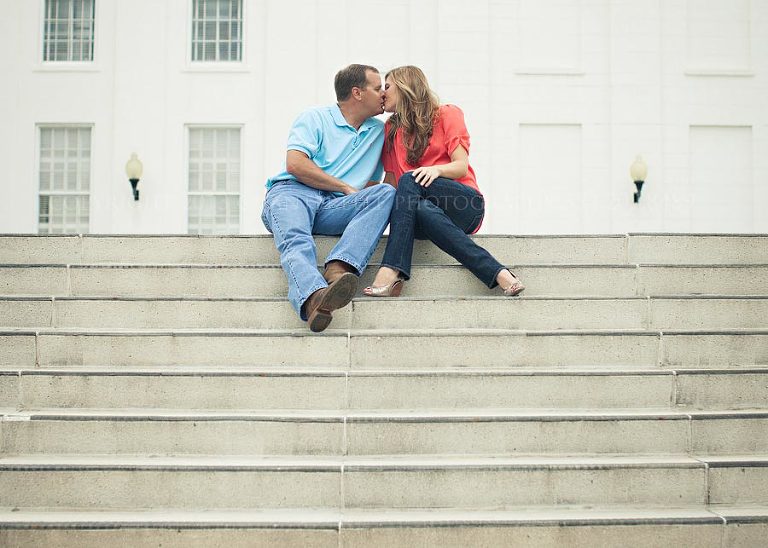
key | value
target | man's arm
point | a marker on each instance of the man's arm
(306, 171)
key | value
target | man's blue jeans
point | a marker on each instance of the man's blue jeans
(293, 212)
(445, 212)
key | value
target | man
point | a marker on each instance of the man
(329, 187)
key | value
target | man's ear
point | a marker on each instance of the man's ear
(357, 93)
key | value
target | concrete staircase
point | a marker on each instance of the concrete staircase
(159, 390)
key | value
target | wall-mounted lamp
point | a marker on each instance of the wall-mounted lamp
(638, 170)
(134, 168)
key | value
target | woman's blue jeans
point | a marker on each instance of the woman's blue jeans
(445, 212)
(293, 212)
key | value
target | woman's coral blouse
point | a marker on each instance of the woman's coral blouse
(448, 133)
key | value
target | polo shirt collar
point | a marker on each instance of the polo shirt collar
(340, 121)
(368, 124)
(338, 117)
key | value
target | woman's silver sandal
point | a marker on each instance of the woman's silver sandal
(515, 289)
(391, 290)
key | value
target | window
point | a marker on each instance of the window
(69, 26)
(65, 179)
(214, 181)
(217, 30)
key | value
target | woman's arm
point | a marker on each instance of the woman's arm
(457, 169)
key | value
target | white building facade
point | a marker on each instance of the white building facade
(560, 96)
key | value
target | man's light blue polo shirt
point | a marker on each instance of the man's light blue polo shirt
(354, 156)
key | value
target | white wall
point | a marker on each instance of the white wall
(559, 96)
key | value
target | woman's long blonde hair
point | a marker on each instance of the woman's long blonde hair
(415, 112)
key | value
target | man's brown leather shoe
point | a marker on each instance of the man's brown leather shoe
(335, 270)
(323, 302)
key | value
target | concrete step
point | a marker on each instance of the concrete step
(738, 480)
(427, 281)
(721, 312)
(248, 388)
(385, 432)
(220, 482)
(555, 526)
(697, 248)
(251, 250)
(376, 349)
(407, 349)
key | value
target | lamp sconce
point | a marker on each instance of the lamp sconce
(638, 170)
(134, 169)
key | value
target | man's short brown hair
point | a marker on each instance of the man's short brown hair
(353, 76)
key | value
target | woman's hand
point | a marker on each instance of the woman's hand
(426, 174)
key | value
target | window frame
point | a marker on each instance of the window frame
(187, 193)
(39, 127)
(216, 66)
(68, 66)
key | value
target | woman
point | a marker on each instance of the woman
(426, 150)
